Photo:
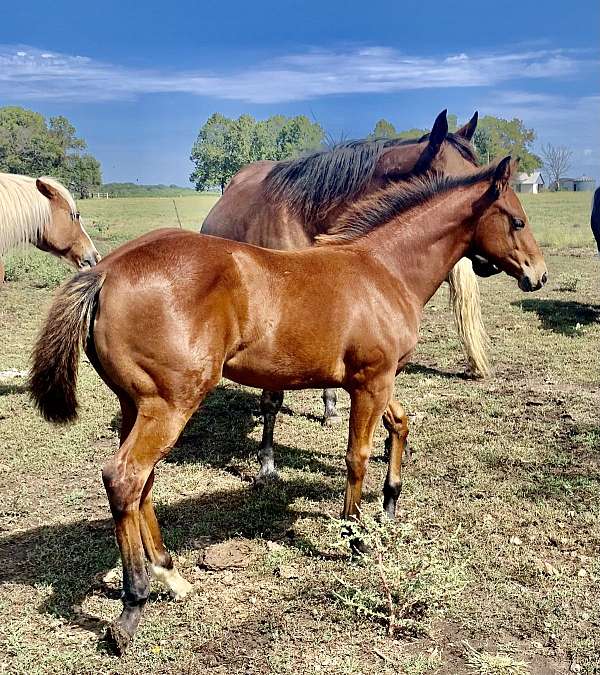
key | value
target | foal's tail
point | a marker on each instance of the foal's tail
(466, 306)
(53, 375)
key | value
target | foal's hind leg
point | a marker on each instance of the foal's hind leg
(395, 421)
(270, 404)
(330, 416)
(161, 563)
(156, 429)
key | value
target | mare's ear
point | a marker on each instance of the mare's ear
(438, 133)
(468, 129)
(502, 175)
(46, 189)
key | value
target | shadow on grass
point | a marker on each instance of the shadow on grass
(218, 435)
(14, 388)
(422, 369)
(73, 558)
(562, 316)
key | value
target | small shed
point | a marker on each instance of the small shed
(581, 184)
(531, 183)
(585, 184)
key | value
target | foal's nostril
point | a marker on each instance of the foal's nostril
(544, 278)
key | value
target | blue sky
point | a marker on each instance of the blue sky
(138, 80)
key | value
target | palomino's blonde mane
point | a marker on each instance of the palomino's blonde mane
(24, 211)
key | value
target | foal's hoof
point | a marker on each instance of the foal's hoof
(359, 547)
(118, 638)
(331, 420)
(181, 591)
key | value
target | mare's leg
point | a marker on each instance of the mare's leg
(330, 416)
(161, 563)
(157, 427)
(270, 404)
(395, 421)
(366, 408)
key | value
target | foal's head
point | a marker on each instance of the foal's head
(503, 235)
(64, 235)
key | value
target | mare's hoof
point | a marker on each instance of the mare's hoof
(265, 479)
(476, 374)
(331, 421)
(118, 638)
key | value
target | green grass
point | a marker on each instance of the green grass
(560, 219)
(493, 566)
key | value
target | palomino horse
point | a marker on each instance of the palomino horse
(42, 212)
(286, 205)
(165, 316)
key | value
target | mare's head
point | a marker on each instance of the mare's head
(63, 235)
(440, 151)
(503, 236)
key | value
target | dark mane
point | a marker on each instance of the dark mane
(384, 205)
(313, 185)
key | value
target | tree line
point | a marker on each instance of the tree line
(225, 145)
(33, 146)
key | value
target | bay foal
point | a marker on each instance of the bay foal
(165, 316)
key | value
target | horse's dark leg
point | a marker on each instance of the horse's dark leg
(270, 404)
(330, 416)
(395, 421)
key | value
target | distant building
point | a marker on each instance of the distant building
(531, 183)
(581, 184)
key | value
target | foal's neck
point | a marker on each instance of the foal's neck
(420, 247)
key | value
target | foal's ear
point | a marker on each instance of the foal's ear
(502, 175)
(438, 132)
(46, 189)
(468, 129)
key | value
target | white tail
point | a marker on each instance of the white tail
(466, 307)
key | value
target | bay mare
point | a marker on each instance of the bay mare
(42, 212)
(287, 205)
(165, 316)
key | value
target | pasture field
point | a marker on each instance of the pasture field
(492, 566)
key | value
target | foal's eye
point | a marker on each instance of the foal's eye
(518, 224)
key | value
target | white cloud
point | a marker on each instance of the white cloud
(31, 74)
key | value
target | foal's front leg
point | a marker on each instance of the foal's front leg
(366, 408)
(270, 404)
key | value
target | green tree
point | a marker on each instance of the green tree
(63, 134)
(384, 129)
(209, 153)
(224, 146)
(264, 139)
(238, 143)
(31, 146)
(297, 136)
(496, 137)
(83, 175)
(26, 146)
